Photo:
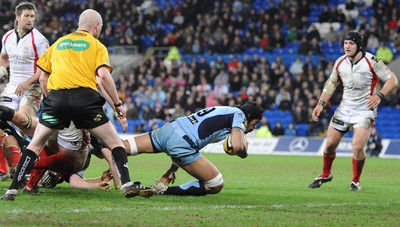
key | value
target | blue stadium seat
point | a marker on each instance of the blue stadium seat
(301, 129)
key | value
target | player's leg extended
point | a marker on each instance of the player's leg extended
(12, 152)
(3, 162)
(26, 122)
(209, 180)
(29, 156)
(360, 138)
(333, 139)
(110, 138)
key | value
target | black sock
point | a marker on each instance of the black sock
(25, 166)
(196, 188)
(121, 162)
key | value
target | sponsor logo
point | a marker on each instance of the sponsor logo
(50, 119)
(97, 118)
(75, 45)
(298, 145)
(23, 168)
(192, 119)
(375, 58)
(337, 121)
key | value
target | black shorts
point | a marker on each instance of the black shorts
(83, 106)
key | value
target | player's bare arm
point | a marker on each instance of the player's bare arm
(107, 85)
(31, 80)
(239, 143)
(387, 88)
(3, 66)
(327, 92)
(44, 77)
(170, 175)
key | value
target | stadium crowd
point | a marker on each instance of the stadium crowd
(155, 92)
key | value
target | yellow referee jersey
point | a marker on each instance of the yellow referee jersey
(72, 61)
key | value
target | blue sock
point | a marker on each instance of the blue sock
(195, 187)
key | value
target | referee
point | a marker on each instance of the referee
(71, 70)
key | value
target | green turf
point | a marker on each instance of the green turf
(259, 191)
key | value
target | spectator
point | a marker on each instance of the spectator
(178, 111)
(374, 144)
(325, 16)
(332, 36)
(290, 130)
(304, 47)
(384, 53)
(314, 46)
(285, 104)
(299, 115)
(278, 129)
(296, 67)
(372, 42)
(264, 131)
(282, 95)
(312, 32)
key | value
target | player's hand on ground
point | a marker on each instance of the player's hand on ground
(168, 177)
(106, 176)
(373, 101)
(316, 112)
(104, 185)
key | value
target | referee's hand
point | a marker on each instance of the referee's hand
(121, 117)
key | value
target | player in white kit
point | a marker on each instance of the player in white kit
(359, 73)
(21, 48)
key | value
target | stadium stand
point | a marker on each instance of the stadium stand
(247, 35)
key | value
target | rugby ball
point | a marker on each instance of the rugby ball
(228, 145)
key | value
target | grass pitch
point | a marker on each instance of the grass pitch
(259, 191)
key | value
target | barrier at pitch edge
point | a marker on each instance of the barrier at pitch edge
(307, 146)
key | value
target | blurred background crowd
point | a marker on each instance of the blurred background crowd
(278, 53)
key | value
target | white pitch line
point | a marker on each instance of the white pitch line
(217, 207)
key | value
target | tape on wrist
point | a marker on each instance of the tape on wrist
(322, 103)
(380, 95)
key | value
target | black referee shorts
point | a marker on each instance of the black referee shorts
(83, 106)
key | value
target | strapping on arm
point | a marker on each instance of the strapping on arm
(329, 87)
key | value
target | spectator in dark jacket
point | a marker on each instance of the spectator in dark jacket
(374, 144)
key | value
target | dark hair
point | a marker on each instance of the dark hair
(252, 110)
(24, 6)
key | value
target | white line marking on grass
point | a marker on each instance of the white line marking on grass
(218, 207)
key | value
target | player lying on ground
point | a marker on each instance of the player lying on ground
(66, 151)
(183, 138)
(204, 127)
(50, 179)
(54, 155)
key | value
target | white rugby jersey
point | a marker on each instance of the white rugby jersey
(23, 53)
(359, 79)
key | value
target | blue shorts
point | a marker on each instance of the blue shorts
(172, 140)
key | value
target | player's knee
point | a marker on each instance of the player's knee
(357, 148)
(330, 148)
(215, 190)
(215, 185)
